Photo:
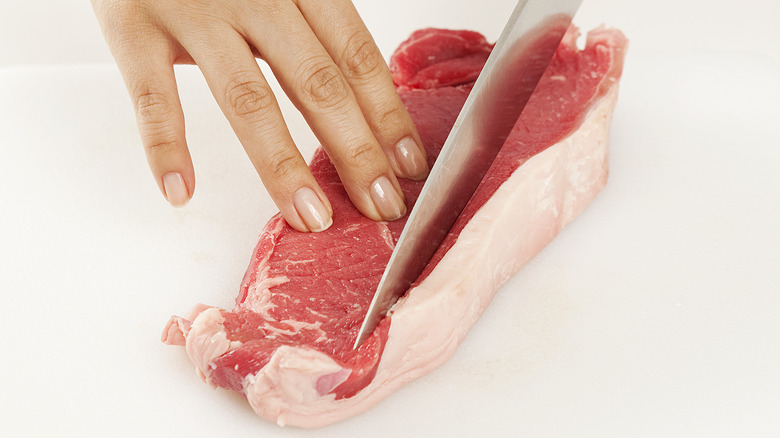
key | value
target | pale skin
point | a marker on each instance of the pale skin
(325, 61)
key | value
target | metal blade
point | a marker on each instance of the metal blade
(510, 75)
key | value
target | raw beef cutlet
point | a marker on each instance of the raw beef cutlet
(287, 343)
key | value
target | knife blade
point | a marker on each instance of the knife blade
(509, 77)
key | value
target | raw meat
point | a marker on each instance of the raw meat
(287, 344)
(431, 58)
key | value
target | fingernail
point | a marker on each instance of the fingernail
(411, 159)
(175, 189)
(386, 199)
(313, 212)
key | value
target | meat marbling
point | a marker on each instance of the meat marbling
(287, 343)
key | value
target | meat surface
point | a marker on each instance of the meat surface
(287, 343)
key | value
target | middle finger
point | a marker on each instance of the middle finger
(318, 89)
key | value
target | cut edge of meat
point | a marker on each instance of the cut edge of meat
(285, 391)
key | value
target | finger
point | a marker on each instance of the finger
(342, 32)
(248, 103)
(319, 90)
(148, 73)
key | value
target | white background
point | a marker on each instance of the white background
(654, 314)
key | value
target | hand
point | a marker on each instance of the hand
(326, 62)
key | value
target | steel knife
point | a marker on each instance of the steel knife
(509, 77)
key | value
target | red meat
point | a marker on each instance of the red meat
(287, 343)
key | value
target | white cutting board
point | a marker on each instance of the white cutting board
(653, 314)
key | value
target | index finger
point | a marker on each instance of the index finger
(151, 83)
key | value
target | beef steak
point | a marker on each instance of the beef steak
(287, 343)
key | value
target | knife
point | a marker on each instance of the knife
(509, 77)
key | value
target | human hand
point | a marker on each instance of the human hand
(324, 59)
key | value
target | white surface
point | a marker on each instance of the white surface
(66, 32)
(653, 314)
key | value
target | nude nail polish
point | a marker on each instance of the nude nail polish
(314, 213)
(387, 200)
(411, 159)
(175, 189)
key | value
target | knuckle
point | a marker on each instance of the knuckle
(156, 121)
(160, 139)
(125, 17)
(360, 156)
(361, 59)
(248, 97)
(162, 144)
(153, 109)
(272, 7)
(281, 164)
(119, 12)
(388, 118)
(324, 85)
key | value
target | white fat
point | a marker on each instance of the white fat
(289, 383)
(295, 327)
(207, 341)
(387, 236)
(260, 296)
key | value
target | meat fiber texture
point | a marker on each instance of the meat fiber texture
(287, 344)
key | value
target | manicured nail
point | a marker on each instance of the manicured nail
(411, 159)
(175, 190)
(313, 212)
(386, 199)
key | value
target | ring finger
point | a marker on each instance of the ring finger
(346, 38)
